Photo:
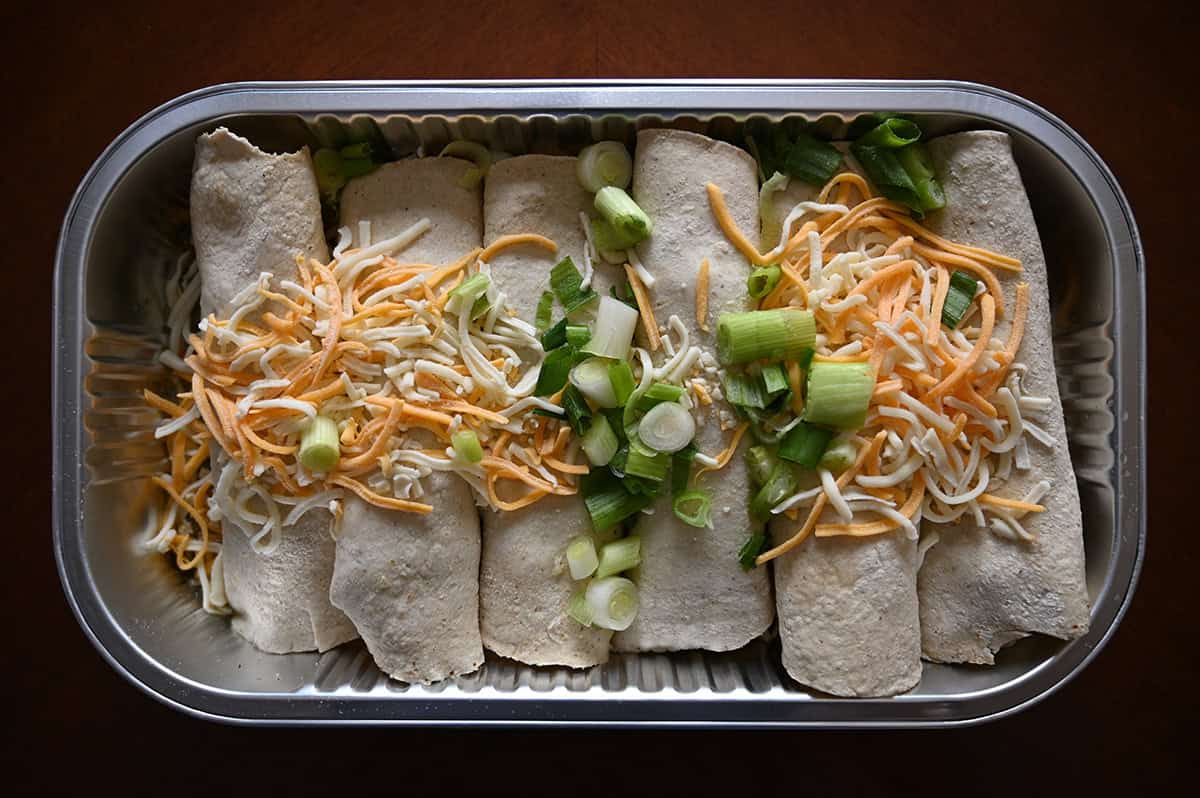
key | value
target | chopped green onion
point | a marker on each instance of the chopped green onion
(545, 308)
(693, 507)
(613, 331)
(780, 484)
(667, 427)
(804, 444)
(578, 609)
(556, 369)
(466, 445)
(658, 393)
(319, 445)
(681, 468)
(567, 284)
(578, 335)
(750, 550)
(812, 160)
(556, 336)
(839, 455)
(609, 240)
(763, 280)
(772, 223)
(607, 501)
(645, 462)
(892, 133)
(742, 390)
(805, 359)
(620, 375)
(774, 379)
(605, 163)
(626, 295)
(591, 378)
(884, 170)
(613, 602)
(600, 443)
(356, 167)
(619, 555)
(761, 462)
(619, 210)
(581, 557)
(475, 153)
(959, 298)
(839, 394)
(360, 150)
(915, 161)
(774, 334)
(327, 164)
(464, 295)
(576, 410)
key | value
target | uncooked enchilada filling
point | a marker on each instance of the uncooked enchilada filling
(869, 372)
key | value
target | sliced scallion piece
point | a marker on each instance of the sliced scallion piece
(474, 152)
(779, 485)
(774, 379)
(693, 507)
(883, 168)
(613, 601)
(578, 335)
(320, 445)
(619, 555)
(742, 390)
(915, 161)
(760, 462)
(578, 414)
(607, 501)
(774, 334)
(959, 298)
(605, 163)
(612, 333)
(667, 427)
(327, 164)
(591, 378)
(763, 280)
(555, 336)
(812, 160)
(610, 242)
(839, 394)
(770, 220)
(464, 295)
(839, 455)
(626, 217)
(578, 608)
(681, 468)
(804, 444)
(892, 133)
(582, 559)
(545, 308)
(556, 368)
(647, 463)
(567, 284)
(466, 445)
(658, 393)
(750, 550)
(600, 442)
(621, 376)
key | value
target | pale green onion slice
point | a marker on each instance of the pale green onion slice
(772, 227)
(613, 331)
(466, 445)
(840, 455)
(693, 507)
(600, 442)
(475, 153)
(625, 215)
(462, 297)
(581, 557)
(578, 608)
(839, 394)
(319, 445)
(591, 378)
(613, 601)
(605, 163)
(619, 555)
(775, 334)
(667, 427)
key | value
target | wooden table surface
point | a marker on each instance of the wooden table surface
(77, 74)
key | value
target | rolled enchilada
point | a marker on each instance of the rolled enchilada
(410, 582)
(253, 212)
(694, 594)
(524, 586)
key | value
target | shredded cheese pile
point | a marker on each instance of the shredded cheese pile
(367, 341)
(948, 418)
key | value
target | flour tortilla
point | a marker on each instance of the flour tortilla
(847, 607)
(524, 586)
(979, 591)
(408, 581)
(694, 593)
(253, 212)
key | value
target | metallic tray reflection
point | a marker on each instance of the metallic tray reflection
(128, 222)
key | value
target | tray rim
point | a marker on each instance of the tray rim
(588, 97)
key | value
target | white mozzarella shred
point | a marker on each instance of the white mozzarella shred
(643, 274)
(888, 480)
(796, 214)
(834, 495)
(928, 541)
(310, 503)
(345, 240)
(176, 424)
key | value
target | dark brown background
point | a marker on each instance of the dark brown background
(76, 75)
